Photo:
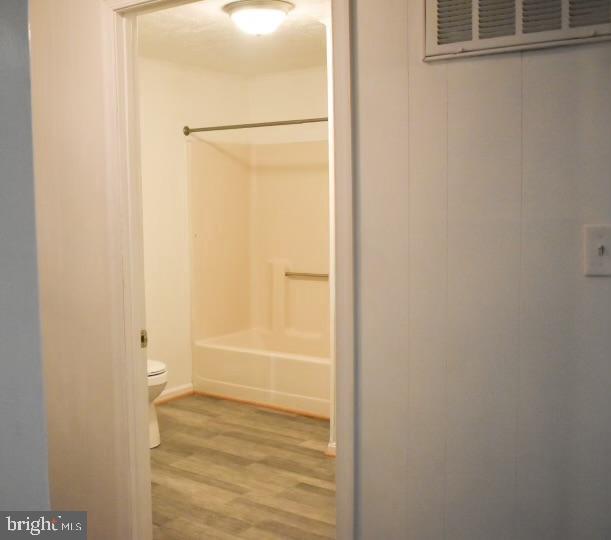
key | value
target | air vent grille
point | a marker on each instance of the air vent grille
(589, 12)
(454, 21)
(496, 18)
(472, 27)
(541, 15)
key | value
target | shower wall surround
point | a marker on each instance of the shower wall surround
(259, 211)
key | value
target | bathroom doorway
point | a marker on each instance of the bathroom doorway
(238, 239)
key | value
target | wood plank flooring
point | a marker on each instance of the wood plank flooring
(227, 470)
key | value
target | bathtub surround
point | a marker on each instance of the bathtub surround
(219, 206)
(290, 232)
(257, 212)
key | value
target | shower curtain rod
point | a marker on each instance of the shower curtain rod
(187, 130)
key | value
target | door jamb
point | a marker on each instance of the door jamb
(124, 183)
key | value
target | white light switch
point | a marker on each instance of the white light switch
(597, 250)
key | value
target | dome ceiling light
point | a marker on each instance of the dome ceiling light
(258, 17)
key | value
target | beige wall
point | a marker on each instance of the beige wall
(483, 347)
(173, 96)
(290, 94)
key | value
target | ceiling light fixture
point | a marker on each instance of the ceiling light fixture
(258, 17)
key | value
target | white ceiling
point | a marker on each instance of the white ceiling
(203, 35)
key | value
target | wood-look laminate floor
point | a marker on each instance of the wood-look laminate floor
(228, 470)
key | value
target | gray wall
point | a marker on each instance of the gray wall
(23, 440)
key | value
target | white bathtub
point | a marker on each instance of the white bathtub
(292, 372)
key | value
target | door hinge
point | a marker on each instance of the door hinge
(144, 339)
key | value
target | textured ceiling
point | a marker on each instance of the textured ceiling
(203, 35)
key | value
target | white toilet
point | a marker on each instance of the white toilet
(157, 379)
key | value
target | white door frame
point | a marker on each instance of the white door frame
(124, 179)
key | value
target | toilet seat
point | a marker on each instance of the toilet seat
(155, 367)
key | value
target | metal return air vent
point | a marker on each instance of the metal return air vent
(541, 15)
(454, 21)
(589, 12)
(468, 27)
(496, 18)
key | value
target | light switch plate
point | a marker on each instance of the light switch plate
(597, 250)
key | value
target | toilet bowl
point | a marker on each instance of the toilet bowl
(157, 379)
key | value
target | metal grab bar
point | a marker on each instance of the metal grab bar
(306, 275)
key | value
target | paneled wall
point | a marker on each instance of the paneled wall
(499, 406)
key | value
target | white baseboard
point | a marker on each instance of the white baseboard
(175, 392)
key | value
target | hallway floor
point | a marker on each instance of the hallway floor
(228, 470)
